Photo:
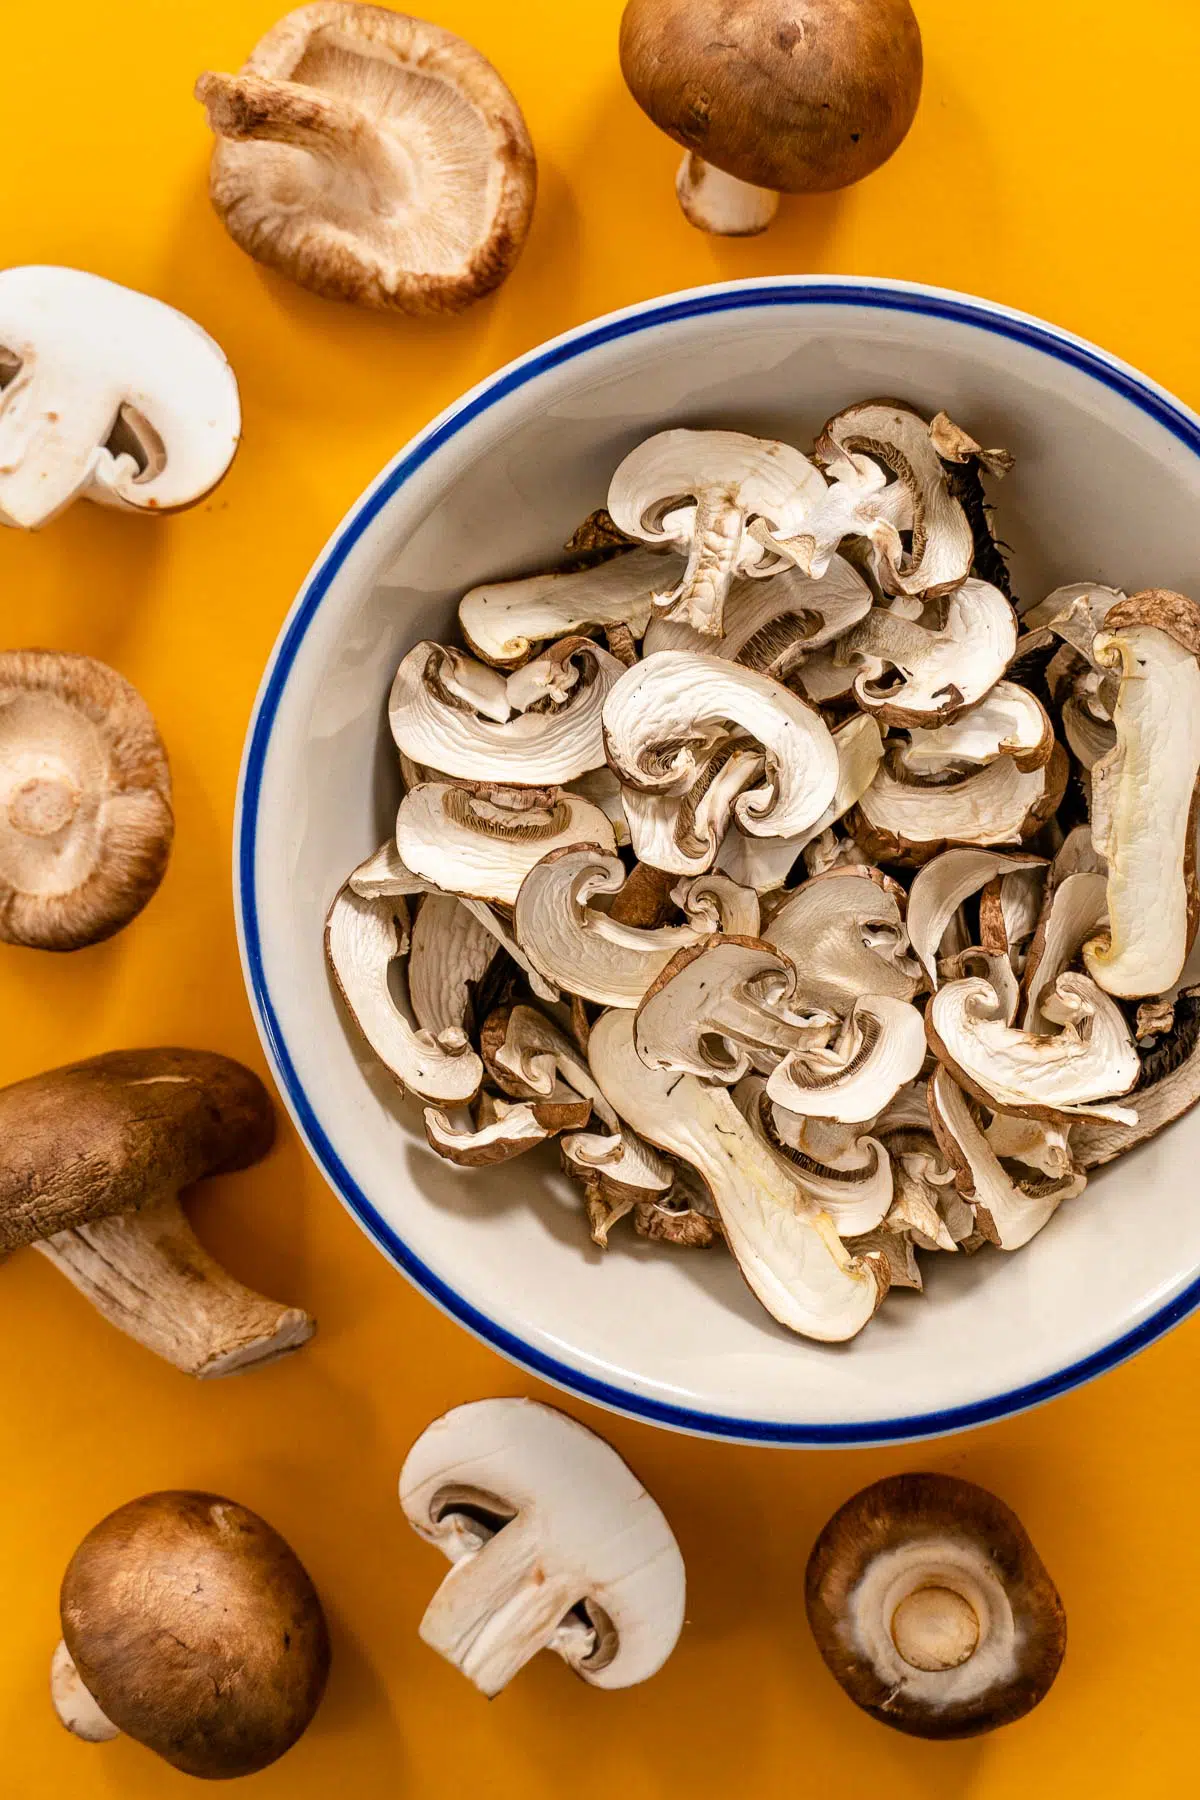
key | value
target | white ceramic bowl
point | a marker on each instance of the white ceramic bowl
(1107, 487)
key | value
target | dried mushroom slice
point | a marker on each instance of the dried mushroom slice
(937, 670)
(1075, 908)
(844, 931)
(537, 726)
(503, 620)
(878, 1050)
(941, 887)
(681, 834)
(85, 801)
(372, 157)
(1164, 1096)
(1069, 1072)
(1144, 796)
(786, 1248)
(662, 716)
(842, 1169)
(450, 951)
(1010, 1207)
(472, 846)
(932, 1609)
(1008, 721)
(908, 822)
(505, 1130)
(773, 625)
(696, 492)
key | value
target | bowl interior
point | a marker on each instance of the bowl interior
(1106, 487)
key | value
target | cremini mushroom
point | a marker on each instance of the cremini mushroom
(932, 1609)
(555, 1545)
(372, 157)
(768, 99)
(190, 1626)
(502, 621)
(106, 395)
(786, 1247)
(93, 1158)
(537, 726)
(697, 493)
(1144, 795)
(672, 696)
(85, 801)
(478, 847)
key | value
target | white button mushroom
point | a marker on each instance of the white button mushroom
(555, 1544)
(109, 396)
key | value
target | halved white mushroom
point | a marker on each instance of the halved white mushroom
(554, 1542)
(897, 438)
(905, 821)
(938, 670)
(723, 1007)
(664, 716)
(941, 887)
(503, 620)
(879, 1048)
(1089, 1061)
(846, 1172)
(1008, 721)
(1009, 1208)
(1144, 796)
(772, 625)
(106, 395)
(787, 1249)
(363, 938)
(1075, 908)
(473, 847)
(845, 933)
(537, 726)
(578, 946)
(765, 863)
(696, 492)
(682, 833)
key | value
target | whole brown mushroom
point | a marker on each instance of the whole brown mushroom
(85, 801)
(932, 1609)
(191, 1626)
(777, 96)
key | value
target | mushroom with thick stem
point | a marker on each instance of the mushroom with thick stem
(538, 726)
(932, 1609)
(107, 395)
(372, 157)
(579, 946)
(697, 493)
(787, 1248)
(555, 1545)
(502, 621)
(93, 1158)
(1065, 1074)
(85, 801)
(1145, 794)
(1010, 1207)
(661, 715)
(481, 848)
(770, 99)
(939, 670)
(190, 1626)
(845, 933)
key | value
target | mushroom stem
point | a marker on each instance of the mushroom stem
(74, 1704)
(244, 107)
(935, 1629)
(493, 1613)
(720, 203)
(149, 1275)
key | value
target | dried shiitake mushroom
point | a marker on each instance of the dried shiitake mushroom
(769, 911)
(772, 98)
(372, 157)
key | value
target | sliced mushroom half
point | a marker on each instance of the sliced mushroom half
(787, 1249)
(1144, 795)
(662, 716)
(502, 621)
(469, 845)
(938, 670)
(696, 492)
(1070, 1072)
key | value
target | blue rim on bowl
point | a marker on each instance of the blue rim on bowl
(894, 296)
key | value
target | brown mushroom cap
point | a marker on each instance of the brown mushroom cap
(85, 801)
(197, 1631)
(802, 99)
(372, 157)
(103, 1136)
(911, 1581)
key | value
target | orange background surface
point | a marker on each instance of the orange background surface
(1052, 166)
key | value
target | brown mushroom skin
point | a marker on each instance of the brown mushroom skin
(197, 1631)
(197, 1113)
(803, 96)
(902, 1509)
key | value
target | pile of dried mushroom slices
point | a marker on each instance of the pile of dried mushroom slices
(763, 855)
